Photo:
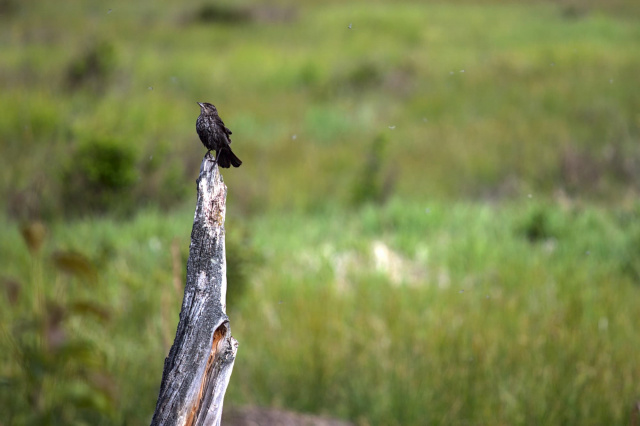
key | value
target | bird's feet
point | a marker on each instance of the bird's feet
(211, 157)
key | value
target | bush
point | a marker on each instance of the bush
(371, 185)
(213, 13)
(93, 68)
(99, 177)
(56, 372)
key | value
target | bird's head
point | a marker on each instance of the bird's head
(207, 108)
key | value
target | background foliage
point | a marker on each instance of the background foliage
(436, 220)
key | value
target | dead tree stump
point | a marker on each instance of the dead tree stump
(198, 368)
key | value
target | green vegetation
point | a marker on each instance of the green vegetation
(476, 101)
(408, 314)
(436, 221)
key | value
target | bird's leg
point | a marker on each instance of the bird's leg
(215, 160)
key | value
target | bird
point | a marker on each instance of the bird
(215, 136)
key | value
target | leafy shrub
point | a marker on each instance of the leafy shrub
(372, 185)
(365, 74)
(55, 373)
(99, 177)
(357, 78)
(93, 68)
(212, 13)
(540, 224)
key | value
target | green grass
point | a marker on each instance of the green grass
(410, 314)
(469, 323)
(436, 220)
(540, 91)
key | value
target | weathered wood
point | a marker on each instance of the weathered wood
(198, 367)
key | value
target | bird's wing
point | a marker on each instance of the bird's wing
(224, 128)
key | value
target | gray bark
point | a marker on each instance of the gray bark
(198, 367)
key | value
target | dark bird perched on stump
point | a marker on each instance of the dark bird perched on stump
(215, 136)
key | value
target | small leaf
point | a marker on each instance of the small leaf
(12, 288)
(81, 351)
(75, 264)
(33, 234)
(87, 307)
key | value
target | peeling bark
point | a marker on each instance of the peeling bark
(198, 367)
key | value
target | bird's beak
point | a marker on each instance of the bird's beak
(200, 103)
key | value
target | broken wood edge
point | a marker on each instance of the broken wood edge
(215, 379)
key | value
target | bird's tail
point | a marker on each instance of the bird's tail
(227, 158)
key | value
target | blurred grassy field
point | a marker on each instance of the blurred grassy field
(439, 313)
(436, 221)
(481, 101)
